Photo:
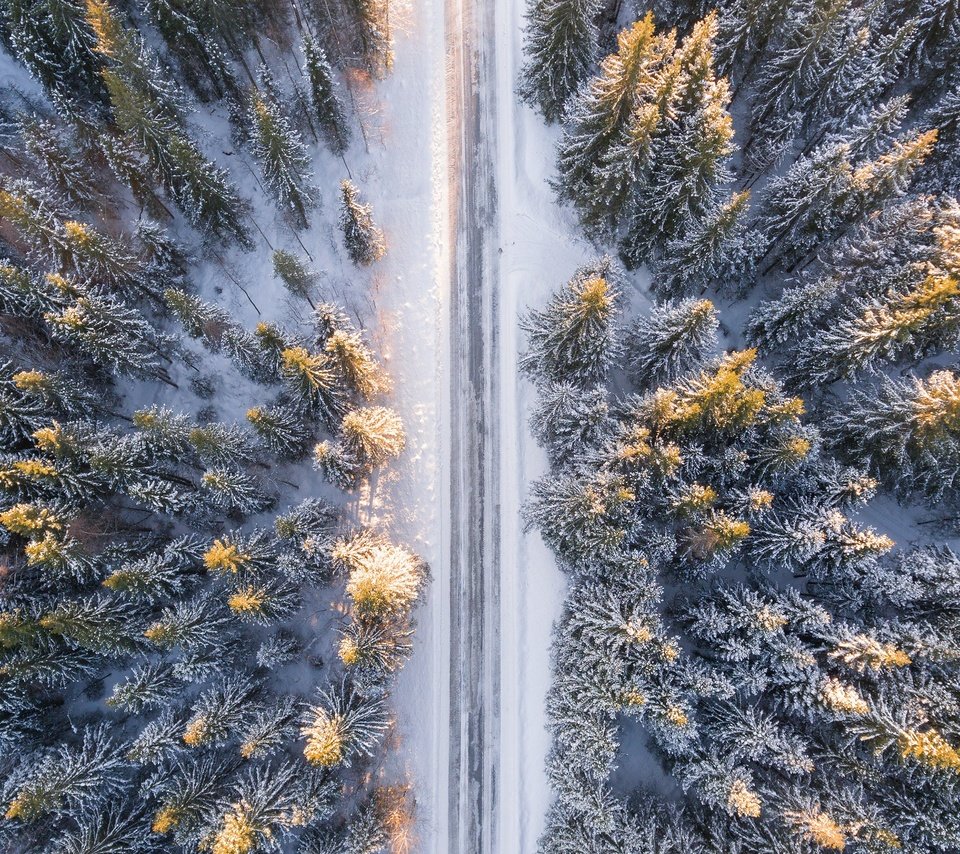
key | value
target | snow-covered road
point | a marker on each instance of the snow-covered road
(471, 701)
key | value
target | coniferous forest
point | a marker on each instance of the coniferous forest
(754, 470)
(261, 363)
(165, 681)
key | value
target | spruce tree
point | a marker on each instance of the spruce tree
(327, 106)
(147, 112)
(560, 46)
(298, 278)
(281, 429)
(673, 338)
(574, 338)
(364, 241)
(342, 726)
(610, 126)
(906, 431)
(281, 153)
(716, 249)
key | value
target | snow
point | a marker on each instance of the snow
(541, 249)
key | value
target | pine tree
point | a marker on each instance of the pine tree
(569, 420)
(371, 651)
(60, 165)
(906, 431)
(744, 29)
(672, 339)
(111, 335)
(560, 44)
(221, 444)
(147, 686)
(68, 776)
(900, 324)
(147, 113)
(689, 153)
(219, 712)
(610, 126)
(281, 153)
(574, 339)
(200, 57)
(364, 241)
(264, 602)
(373, 25)
(356, 363)
(52, 39)
(327, 106)
(231, 489)
(337, 465)
(99, 623)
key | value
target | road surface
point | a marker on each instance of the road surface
(474, 705)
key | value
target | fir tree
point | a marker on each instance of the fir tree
(342, 726)
(327, 106)
(715, 249)
(356, 363)
(674, 338)
(560, 47)
(574, 338)
(905, 431)
(298, 278)
(570, 421)
(282, 155)
(364, 241)
(281, 429)
(68, 776)
(372, 435)
(383, 579)
(311, 377)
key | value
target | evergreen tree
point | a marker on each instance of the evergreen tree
(356, 363)
(364, 241)
(281, 153)
(569, 421)
(61, 167)
(901, 324)
(68, 776)
(230, 489)
(200, 57)
(672, 339)
(610, 125)
(281, 429)
(560, 45)
(906, 431)
(299, 279)
(716, 249)
(383, 579)
(574, 339)
(111, 335)
(372, 435)
(146, 112)
(219, 712)
(342, 726)
(327, 106)
(688, 154)
(312, 378)
(53, 40)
